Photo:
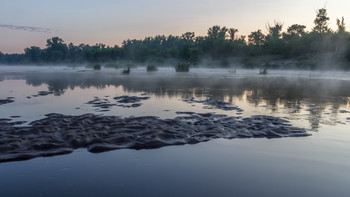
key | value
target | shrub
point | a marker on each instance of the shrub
(263, 72)
(97, 67)
(126, 71)
(182, 67)
(151, 68)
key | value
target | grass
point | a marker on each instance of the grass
(94, 66)
(182, 67)
(234, 71)
(112, 65)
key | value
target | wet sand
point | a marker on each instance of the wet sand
(61, 134)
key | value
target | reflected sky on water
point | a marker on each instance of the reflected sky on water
(315, 96)
(309, 166)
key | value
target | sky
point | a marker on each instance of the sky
(25, 23)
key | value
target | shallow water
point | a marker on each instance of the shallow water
(309, 166)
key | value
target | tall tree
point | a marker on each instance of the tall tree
(56, 49)
(33, 53)
(256, 38)
(1, 56)
(216, 32)
(188, 36)
(321, 21)
(232, 32)
(275, 30)
(296, 30)
(341, 25)
(215, 42)
(274, 44)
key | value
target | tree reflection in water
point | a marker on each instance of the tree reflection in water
(292, 93)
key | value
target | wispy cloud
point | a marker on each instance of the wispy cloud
(27, 28)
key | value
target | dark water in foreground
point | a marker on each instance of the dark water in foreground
(310, 166)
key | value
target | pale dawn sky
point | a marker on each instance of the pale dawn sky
(25, 23)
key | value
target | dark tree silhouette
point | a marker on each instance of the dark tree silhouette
(33, 53)
(321, 21)
(341, 25)
(256, 38)
(221, 44)
(295, 30)
(275, 31)
(56, 49)
(232, 33)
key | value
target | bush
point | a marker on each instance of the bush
(97, 67)
(151, 68)
(126, 71)
(234, 71)
(263, 72)
(182, 67)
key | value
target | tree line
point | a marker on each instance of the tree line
(220, 44)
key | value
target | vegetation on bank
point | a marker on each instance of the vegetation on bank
(302, 49)
(151, 68)
(126, 71)
(182, 67)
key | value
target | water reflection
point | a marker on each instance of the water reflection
(292, 94)
(270, 89)
(273, 90)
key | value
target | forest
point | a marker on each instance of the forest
(321, 47)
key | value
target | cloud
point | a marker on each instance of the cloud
(27, 28)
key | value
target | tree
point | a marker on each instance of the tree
(232, 32)
(274, 31)
(295, 30)
(347, 53)
(274, 44)
(215, 44)
(1, 57)
(217, 33)
(190, 52)
(76, 53)
(33, 53)
(54, 43)
(256, 38)
(188, 36)
(220, 43)
(56, 49)
(321, 22)
(341, 25)
(295, 41)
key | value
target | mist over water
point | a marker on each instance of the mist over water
(180, 112)
(313, 166)
(315, 95)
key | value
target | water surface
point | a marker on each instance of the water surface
(309, 166)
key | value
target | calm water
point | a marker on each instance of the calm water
(318, 165)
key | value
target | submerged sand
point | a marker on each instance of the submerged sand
(61, 134)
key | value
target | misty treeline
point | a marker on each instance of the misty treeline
(221, 44)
